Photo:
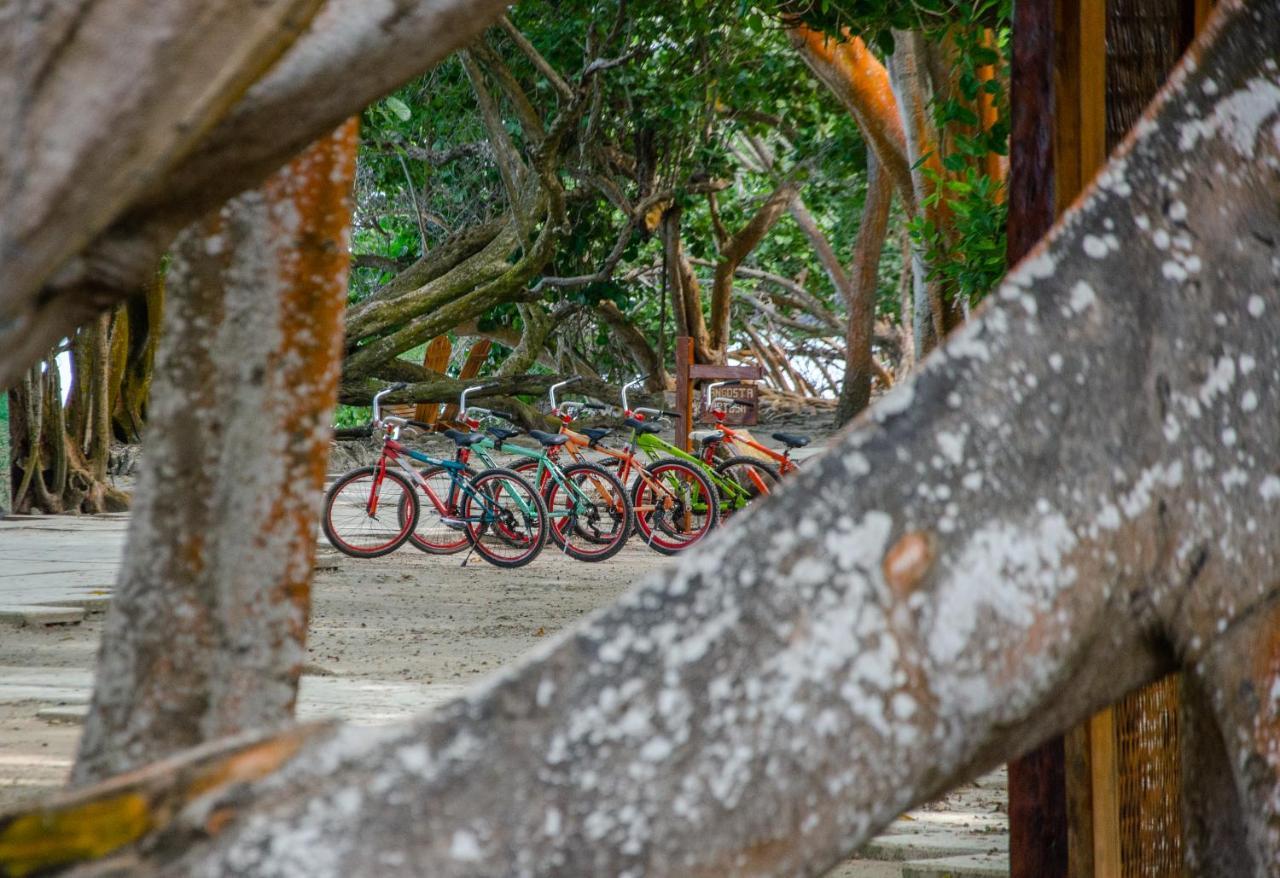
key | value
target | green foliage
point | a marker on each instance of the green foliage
(351, 416)
(970, 257)
(703, 80)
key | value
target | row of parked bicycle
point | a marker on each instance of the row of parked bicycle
(585, 496)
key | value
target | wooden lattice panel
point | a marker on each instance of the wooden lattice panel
(1149, 781)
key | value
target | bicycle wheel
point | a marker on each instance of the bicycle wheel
(613, 466)
(363, 515)
(675, 505)
(528, 468)
(754, 478)
(440, 529)
(590, 512)
(506, 519)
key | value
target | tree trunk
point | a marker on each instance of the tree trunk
(935, 313)
(134, 336)
(636, 345)
(733, 251)
(193, 133)
(855, 392)
(60, 451)
(205, 634)
(686, 292)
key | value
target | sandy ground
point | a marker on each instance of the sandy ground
(408, 616)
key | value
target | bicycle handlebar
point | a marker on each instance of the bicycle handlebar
(377, 398)
(565, 383)
(661, 413)
(396, 421)
(462, 400)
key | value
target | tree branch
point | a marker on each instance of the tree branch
(535, 57)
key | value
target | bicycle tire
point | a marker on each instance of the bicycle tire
(334, 501)
(487, 482)
(761, 479)
(663, 532)
(619, 516)
(436, 541)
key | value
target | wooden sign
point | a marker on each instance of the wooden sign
(735, 415)
(688, 398)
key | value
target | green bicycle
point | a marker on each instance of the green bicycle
(588, 507)
(736, 480)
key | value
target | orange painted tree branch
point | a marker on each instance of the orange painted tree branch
(205, 634)
(861, 83)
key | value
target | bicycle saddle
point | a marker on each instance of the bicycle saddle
(595, 434)
(550, 440)
(502, 434)
(792, 440)
(712, 438)
(642, 426)
(463, 440)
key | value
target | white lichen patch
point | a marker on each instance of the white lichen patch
(1236, 118)
(1005, 575)
(1081, 297)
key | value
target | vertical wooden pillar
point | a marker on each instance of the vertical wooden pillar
(1203, 9)
(1105, 790)
(1079, 132)
(1080, 88)
(1037, 781)
(684, 392)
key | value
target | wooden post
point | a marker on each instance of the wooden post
(1202, 10)
(684, 395)
(437, 360)
(1105, 785)
(1038, 835)
(1079, 84)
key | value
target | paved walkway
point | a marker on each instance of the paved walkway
(57, 571)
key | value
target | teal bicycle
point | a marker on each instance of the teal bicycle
(589, 510)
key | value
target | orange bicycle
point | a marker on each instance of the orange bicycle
(724, 443)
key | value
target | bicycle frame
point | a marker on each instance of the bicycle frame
(732, 439)
(394, 452)
(547, 467)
